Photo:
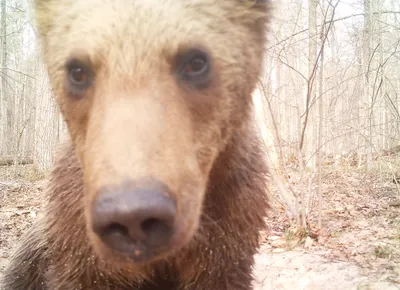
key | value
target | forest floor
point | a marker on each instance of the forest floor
(358, 246)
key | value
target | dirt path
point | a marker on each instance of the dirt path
(300, 270)
(359, 247)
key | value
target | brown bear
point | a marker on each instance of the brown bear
(163, 182)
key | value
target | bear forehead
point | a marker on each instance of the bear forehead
(138, 28)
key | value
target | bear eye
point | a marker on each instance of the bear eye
(197, 65)
(195, 68)
(79, 77)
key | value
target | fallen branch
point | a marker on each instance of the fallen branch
(6, 161)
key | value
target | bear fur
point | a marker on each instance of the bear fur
(58, 253)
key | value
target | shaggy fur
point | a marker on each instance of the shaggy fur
(216, 171)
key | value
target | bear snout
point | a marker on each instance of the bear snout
(137, 222)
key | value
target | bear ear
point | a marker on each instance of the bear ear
(262, 10)
(262, 5)
(262, 2)
(259, 3)
(44, 16)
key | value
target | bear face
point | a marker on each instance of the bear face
(151, 92)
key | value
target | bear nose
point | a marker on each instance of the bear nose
(136, 222)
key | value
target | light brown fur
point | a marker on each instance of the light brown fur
(138, 120)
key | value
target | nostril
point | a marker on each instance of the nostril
(116, 236)
(115, 229)
(153, 228)
(150, 225)
(157, 231)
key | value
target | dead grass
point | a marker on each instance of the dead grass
(361, 226)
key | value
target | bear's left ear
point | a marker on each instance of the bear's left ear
(263, 5)
(262, 9)
(262, 2)
(260, 6)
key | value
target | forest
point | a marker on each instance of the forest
(328, 107)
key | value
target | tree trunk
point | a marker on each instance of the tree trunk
(320, 126)
(3, 97)
(312, 52)
(46, 123)
(367, 90)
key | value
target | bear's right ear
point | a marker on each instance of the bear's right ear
(44, 13)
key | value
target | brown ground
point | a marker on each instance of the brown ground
(358, 248)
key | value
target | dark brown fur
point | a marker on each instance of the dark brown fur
(220, 257)
(61, 252)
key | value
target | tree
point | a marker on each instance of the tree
(3, 111)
